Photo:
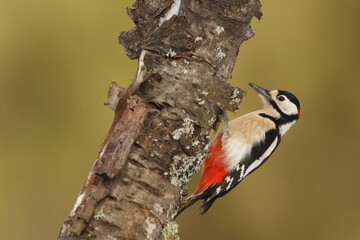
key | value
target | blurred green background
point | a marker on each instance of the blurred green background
(58, 57)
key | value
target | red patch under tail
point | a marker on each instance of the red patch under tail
(214, 170)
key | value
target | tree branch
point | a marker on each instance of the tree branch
(160, 132)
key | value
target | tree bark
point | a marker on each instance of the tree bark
(160, 133)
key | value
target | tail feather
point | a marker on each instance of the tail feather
(206, 195)
(213, 174)
(206, 205)
(189, 201)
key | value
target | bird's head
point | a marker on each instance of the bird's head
(285, 103)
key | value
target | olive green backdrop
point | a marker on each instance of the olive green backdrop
(58, 57)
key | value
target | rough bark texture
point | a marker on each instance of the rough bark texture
(160, 133)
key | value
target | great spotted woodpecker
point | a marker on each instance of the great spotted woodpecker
(243, 145)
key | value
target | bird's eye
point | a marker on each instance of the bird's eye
(281, 98)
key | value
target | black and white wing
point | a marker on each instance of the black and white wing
(257, 156)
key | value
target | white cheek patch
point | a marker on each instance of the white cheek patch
(287, 107)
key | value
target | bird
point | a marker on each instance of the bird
(243, 145)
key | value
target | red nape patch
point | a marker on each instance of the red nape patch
(214, 170)
(298, 113)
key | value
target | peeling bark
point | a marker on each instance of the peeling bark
(160, 133)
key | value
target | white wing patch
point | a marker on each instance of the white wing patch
(218, 190)
(235, 150)
(229, 180)
(257, 162)
(242, 173)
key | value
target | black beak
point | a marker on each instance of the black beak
(261, 91)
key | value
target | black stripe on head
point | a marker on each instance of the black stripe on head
(278, 122)
(291, 97)
(283, 115)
